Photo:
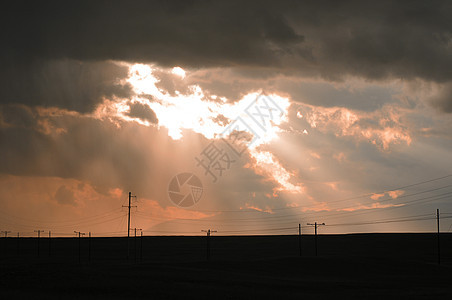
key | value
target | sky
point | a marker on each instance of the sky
(280, 112)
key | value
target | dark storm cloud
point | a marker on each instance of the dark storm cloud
(328, 38)
(171, 83)
(442, 99)
(17, 116)
(50, 48)
(331, 39)
(367, 98)
(169, 32)
(70, 84)
(143, 112)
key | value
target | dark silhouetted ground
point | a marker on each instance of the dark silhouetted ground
(364, 266)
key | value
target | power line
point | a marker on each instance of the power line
(344, 199)
(5, 232)
(61, 221)
(293, 228)
(276, 219)
(328, 214)
(382, 222)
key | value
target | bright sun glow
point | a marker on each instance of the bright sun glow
(179, 72)
(211, 117)
(193, 111)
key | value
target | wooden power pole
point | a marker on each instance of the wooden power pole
(208, 231)
(39, 237)
(299, 238)
(79, 245)
(315, 227)
(438, 231)
(128, 224)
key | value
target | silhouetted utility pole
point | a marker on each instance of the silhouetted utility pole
(39, 237)
(315, 226)
(437, 225)
(141, 246)
(89, 246)
(50, 245)
(208, 241)
(6, 236)
(128, 225)
(299, 238)
(79, 245)
(18, 242)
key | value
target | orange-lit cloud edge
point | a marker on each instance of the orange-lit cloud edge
(197, 112)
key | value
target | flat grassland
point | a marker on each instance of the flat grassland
(359, 266)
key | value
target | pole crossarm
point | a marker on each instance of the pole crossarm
(6, 232)
(315, 227)
(208, 231)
